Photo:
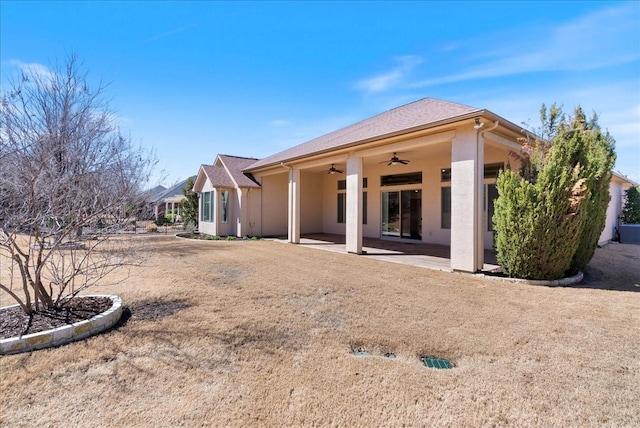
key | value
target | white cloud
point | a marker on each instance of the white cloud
(600, 39)
(385, 81)
(33, 67)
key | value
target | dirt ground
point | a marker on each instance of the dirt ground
(263, 333)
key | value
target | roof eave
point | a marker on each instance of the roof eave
(444, 122)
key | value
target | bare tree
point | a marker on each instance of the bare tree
(67, 175)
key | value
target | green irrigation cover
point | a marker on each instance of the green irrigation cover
(437, 363)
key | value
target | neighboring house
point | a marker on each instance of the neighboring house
(151, 198)
(425, 172)
(168, 202)
(229, 200)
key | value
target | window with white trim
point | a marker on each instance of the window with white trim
(225, 206)
(205, 207)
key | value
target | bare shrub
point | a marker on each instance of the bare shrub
(67, 174)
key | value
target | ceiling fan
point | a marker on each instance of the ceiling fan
(334, 170)
(395, 160)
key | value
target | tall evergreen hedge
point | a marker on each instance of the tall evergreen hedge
(631, 210)
(549, 215)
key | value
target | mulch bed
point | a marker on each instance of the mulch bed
(14, 322)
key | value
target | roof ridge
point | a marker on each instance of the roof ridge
(239, 157)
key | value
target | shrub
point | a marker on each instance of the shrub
(548, 218)
(190, 203)
(631, 210)
(596, 158)
(151, 227)
(161, 221)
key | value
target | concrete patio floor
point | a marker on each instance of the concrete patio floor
(430, 256)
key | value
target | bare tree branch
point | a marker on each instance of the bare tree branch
(66, 172)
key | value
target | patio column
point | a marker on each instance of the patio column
(241, 213)
(467, 177)
(294, 206)
(215, 207)
(353, 233)
(166, 208)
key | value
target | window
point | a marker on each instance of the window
(399, 179)
(342, 201)
(491, 170)
(341, 207)
(364, 207)
(342, 184)
(205, 207)
(225, 206)
(402, 214)
(445, 210)
(445, 175)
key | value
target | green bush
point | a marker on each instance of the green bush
(548, 218)
(161, 221)
(596, 158)
(190, 204)
(631, 210)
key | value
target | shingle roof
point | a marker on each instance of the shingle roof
(155, 194)
(236, 165)
(218, 176)
(175, 190)
(421, 113)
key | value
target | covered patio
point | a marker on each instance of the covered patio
(430, 256)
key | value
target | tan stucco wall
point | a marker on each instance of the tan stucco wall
(274, 203)
(311, 202)
(254, 201)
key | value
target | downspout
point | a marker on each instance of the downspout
(480, 177)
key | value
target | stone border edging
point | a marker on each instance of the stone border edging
(554, 283)
(65, 334)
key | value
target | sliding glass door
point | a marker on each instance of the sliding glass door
(402, 214)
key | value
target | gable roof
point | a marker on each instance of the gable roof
(154, 194)
(175, 190)
(226, 172)
(217, 175)
(235, 165)
(423, 113)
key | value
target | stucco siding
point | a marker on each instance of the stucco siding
(311, 202)
(254, 207)
(274, 204)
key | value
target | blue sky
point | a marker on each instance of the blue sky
(194, 79)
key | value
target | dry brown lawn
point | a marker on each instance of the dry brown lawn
(261, 334)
